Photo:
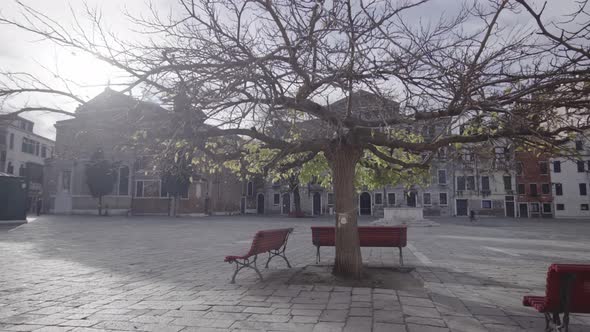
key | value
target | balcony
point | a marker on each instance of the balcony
(485, 193)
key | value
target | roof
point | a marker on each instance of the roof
(6, 175)
(111, 99)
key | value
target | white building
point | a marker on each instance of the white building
(571, 181)
(23, 153)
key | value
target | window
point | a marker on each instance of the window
(583, 189)
(560, 207)
(147, 188)
(580, 166)
(546, 207)
(544, 168)
(521, 189)
(11, 142)
(391, 199)
(330, 198)
(507, 182)
(426, 199)
(470, 183)
(44, 151)
(460, 183)
(2, 156)
(21, 170)
(558, 189)
(65, 180)
(584, 207)
(10, 168)
(486, 204)
(545, 189)
(535, 207)
(124, 181)
(37, 148)
(557, 166)
(519, 168)
(579, 145)
(276, 199)
(378, 198)
(533, 189)
(250, 188)
(442, 198)
(485, 183)
(442, 176)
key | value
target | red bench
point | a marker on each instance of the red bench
(369, 236)
(567, 291)
(273, 241)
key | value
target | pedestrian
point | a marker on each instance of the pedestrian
(39, 205)
(472, 215)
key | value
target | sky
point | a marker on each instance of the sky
(22, 51)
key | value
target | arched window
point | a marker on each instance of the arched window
(124, 181)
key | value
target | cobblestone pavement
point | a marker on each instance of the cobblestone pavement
(162, 274)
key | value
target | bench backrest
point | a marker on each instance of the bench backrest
(580, 287)
(369, 236)
(271, 239)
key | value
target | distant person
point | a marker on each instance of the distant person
(472, 215)
(39, 206)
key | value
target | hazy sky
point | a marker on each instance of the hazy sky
(22, 51)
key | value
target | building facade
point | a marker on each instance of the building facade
(23, 153)
(533, 180)
(106, 123)
(571, 179)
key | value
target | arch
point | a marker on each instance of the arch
(365, 204)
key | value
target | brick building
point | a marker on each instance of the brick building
(533, 181)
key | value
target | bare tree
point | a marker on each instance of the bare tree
(353, 78)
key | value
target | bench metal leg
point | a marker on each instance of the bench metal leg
(317, 255)
(246, 263)
(280, 253)
(401, 257)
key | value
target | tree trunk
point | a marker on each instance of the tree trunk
(343, 159)
(297, 201)
(100, 205)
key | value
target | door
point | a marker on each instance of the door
(411, 199)
(286, 203)
(510, 208)
(523, 210)
(243, 205)
(461, 207)
(365, 204)
(317, 204)
(260, 204)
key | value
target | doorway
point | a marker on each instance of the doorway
(523, 210)
(365, 204)
(462, 207)
(286, 203)
(317, 204)
(510, 208)
(243, 205)
(411, 199)
(260, 204)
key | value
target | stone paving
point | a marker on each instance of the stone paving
(163, 274)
